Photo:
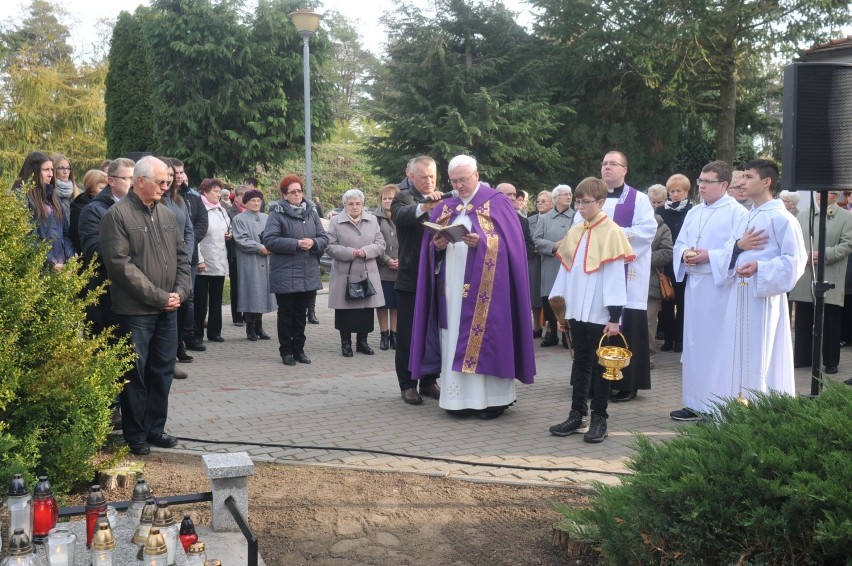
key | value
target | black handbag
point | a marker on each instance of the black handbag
(359, 289)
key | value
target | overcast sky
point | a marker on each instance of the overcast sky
(84, 15)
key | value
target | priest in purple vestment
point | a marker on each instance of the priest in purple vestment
(471, 318)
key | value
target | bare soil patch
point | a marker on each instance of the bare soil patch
(335, 517)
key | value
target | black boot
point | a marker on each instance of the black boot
(312, 315)
(346, 344)
(384, 342)
(361, 344)
(312, 310)
(551, 338)
(251, 333)
(258, 327)
(392, 339)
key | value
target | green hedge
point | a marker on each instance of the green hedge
(767, 483)
(56, 380)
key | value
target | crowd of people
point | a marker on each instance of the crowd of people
(461, 283)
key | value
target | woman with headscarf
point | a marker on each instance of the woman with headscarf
(254, 297)
(296, 240)
(354, 242)
(52, 226)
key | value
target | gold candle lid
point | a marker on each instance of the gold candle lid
(148, 512)
(163, 515)
(156, 544)
(196, 548)
(213, 563)
(104, 539)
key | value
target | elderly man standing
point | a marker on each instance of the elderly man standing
(471, 318)
(838, 246)
(550, 229)
(631, 210)
(410, 207)
(148, 265)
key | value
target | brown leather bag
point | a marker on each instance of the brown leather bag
(667, 291)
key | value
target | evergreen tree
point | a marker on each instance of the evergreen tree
(468, 80)
(41, 39)
(129, 119)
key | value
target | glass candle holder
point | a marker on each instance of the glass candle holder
(45, 509)
(20, 506)
(60, 546)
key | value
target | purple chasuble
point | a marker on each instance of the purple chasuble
(495, 328)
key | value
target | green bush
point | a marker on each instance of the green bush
(57, 381)
(767, 483)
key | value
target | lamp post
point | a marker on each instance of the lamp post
(307, 22)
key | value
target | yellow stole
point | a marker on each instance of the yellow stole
(606, 243)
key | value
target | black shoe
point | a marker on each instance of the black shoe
(346, 348)
(538, 333)
(848, 381)
(140, 448)
(250, 331)
(549, 340)
(258, 328)
(238, 322)
(195, 345)
(362, 346)
(312, 316)
(215, 338)
(574, 423)
(622, 396)
(384, 341)
(392, 339)
(288, 360)
(678, 347)
(433, 390)
(685, 415)
(667, 347)
(163, 440)
(302, 358)
(490, 414)
(597, 430)
(831, 369)
(411, 396)
(659, 336)
(182, 356)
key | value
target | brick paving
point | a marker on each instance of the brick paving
(239, 391)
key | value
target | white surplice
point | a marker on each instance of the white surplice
(588, 294)
(464, 390)
(759, 343)
(640, 234)
(706, 300)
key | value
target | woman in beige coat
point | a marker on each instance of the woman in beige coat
(355, 241)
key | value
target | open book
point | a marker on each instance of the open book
(453, 233)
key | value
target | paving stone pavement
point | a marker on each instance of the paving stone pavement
(337, 410)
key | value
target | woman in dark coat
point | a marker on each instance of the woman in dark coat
(253, 297)
(354, 243)
(296, 240)
(673, 214)
(52, 226)
(388, 265)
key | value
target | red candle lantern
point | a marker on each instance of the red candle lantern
(45, 509)
(95, 505)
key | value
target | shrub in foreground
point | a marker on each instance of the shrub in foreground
(56, 380)
(767, 483)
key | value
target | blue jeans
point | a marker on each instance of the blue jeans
(145, 398)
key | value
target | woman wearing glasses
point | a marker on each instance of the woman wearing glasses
(296, 240)
(66, 186)
(36, 178)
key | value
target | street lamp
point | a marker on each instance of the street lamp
(307, 22)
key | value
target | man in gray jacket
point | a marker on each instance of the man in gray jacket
(148, 266)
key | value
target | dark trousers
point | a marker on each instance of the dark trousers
(586, 373)
(208, 291)
(292, 318)
(404, 323)
(638, 374)
(671, 314)
(145, 397)
(186, 312)
(549, 315)
(236, 315)
(803, 327)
